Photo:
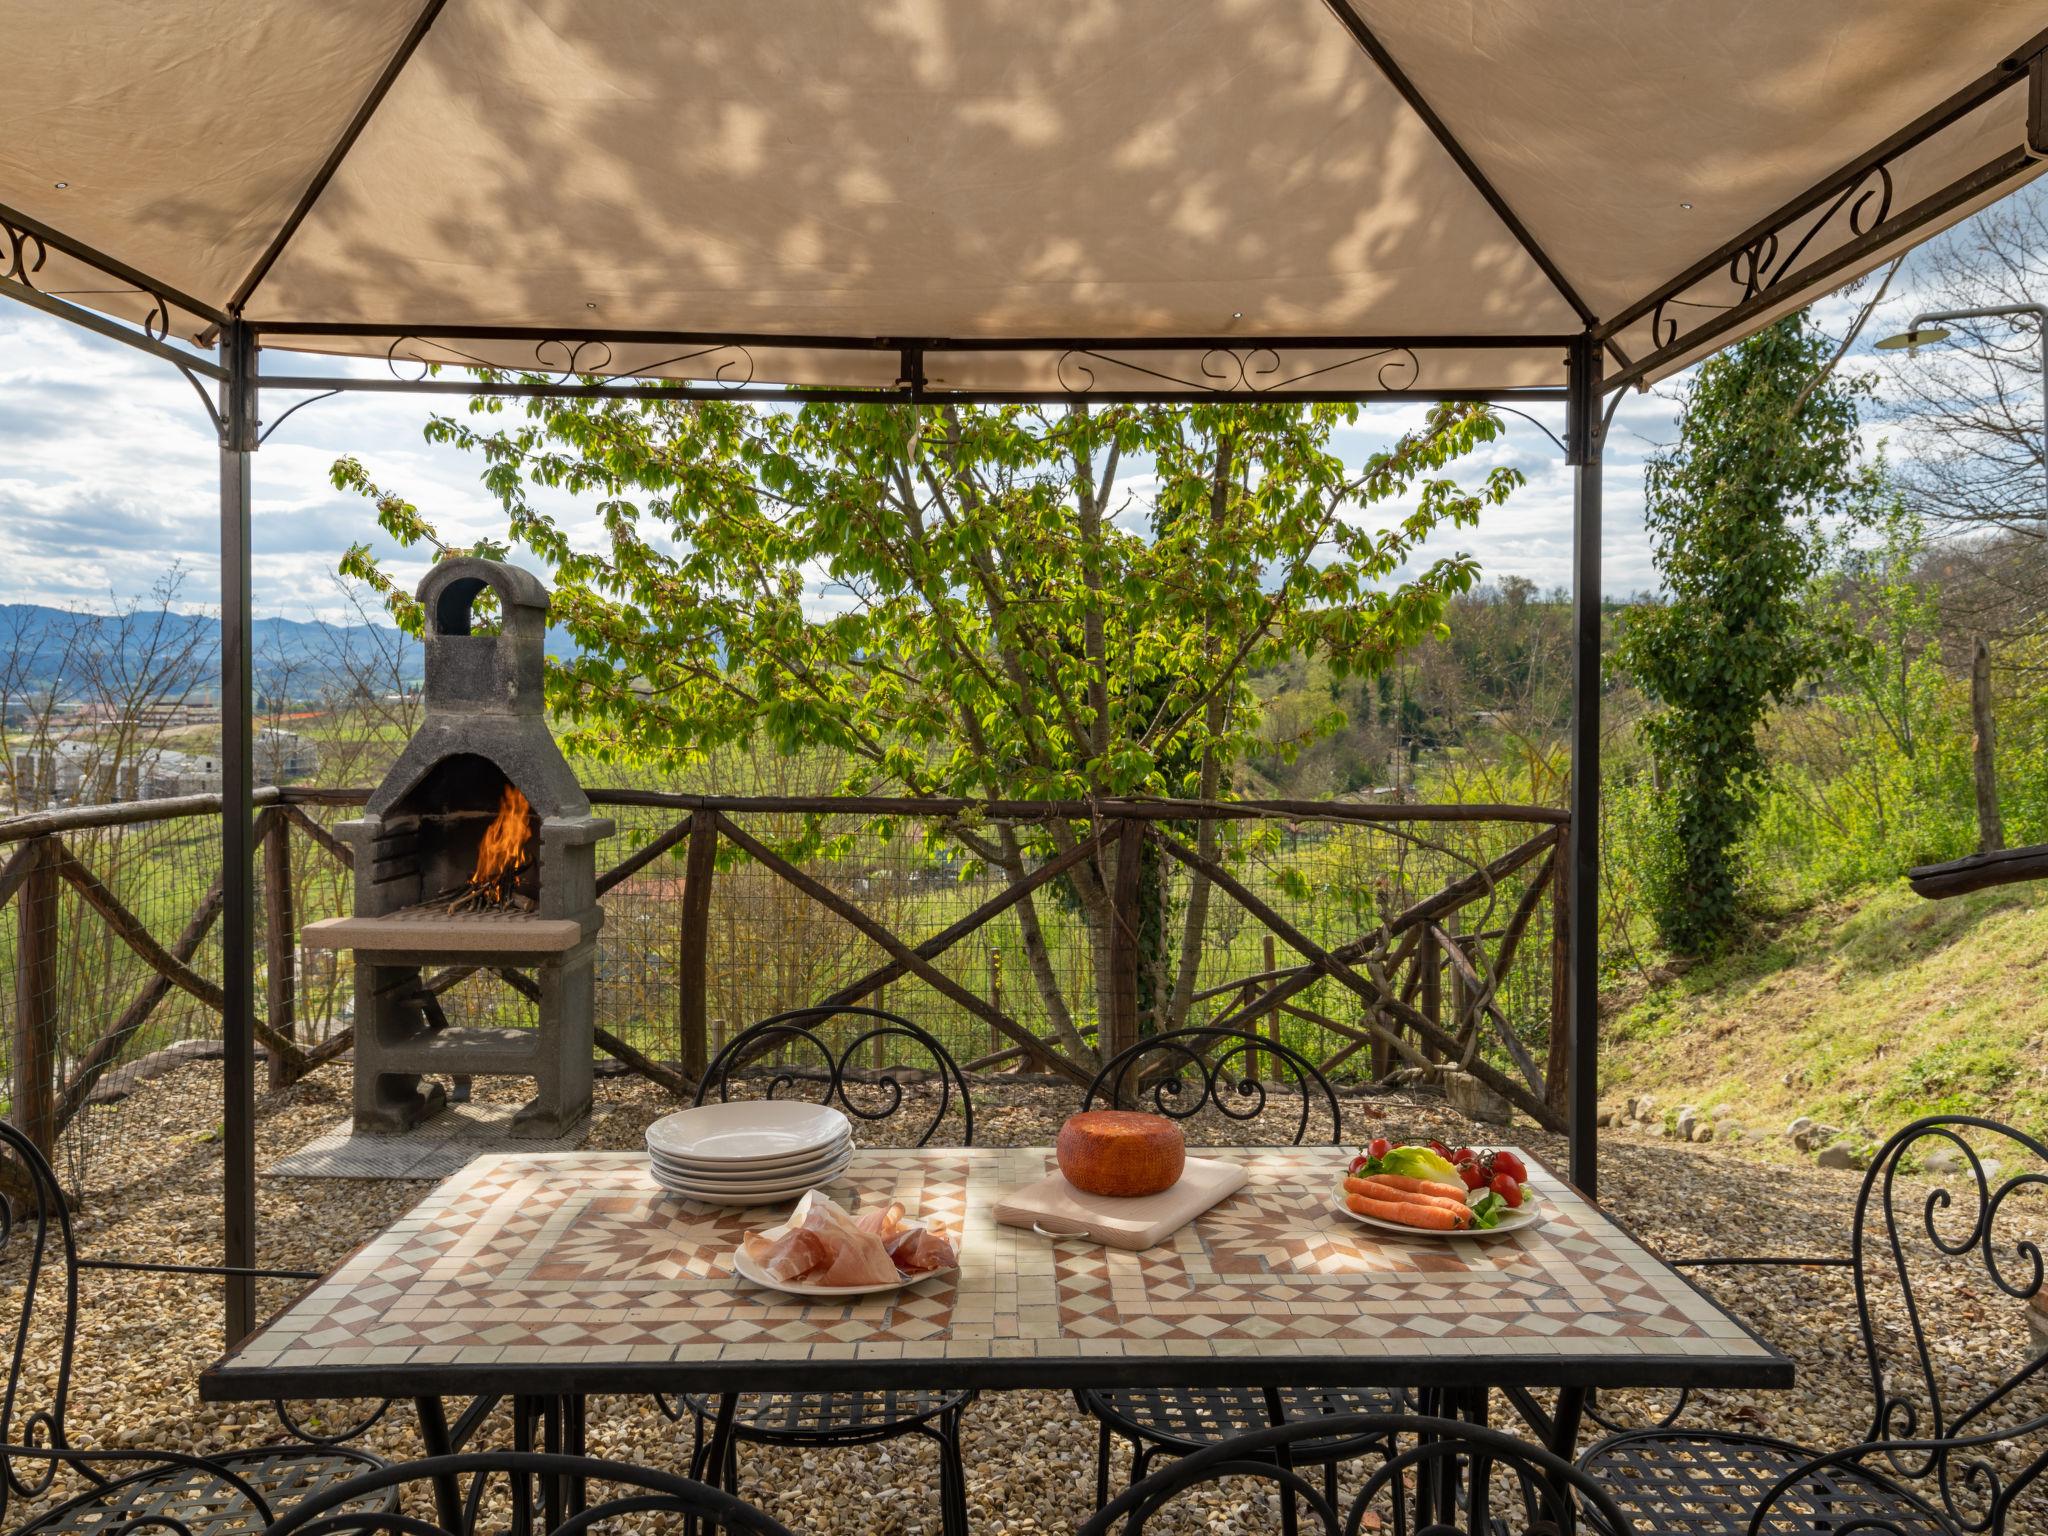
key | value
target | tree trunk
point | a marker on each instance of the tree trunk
(1039, 958)
(1990, 827)
(1125, 946)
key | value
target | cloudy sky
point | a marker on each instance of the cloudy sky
(108, 478)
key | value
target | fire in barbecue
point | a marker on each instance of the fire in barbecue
(504, 860)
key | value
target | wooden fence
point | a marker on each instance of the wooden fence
(1419, 978)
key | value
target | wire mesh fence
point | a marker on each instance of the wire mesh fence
(1031, 985)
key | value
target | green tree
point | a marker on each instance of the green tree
(1738, 511)
(964, 601)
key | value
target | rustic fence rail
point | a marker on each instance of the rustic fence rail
(1373, 936)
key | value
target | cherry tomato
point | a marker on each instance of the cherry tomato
(1473, 1175)
(1508, 1163)
(1380, 1146)
(1441, 1151)
(1358, 1163)
(1508, 1189)
(1462, 1155)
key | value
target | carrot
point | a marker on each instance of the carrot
(1398, 1186)
(1432, 1215)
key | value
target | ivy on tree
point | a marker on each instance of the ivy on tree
(1738, 511)
(966, 602)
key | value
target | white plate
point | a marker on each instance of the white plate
(747, 1131)
(751, 1173)
(748, 1270)
(768, 1192)
(1527, 1214)
(785, 1168)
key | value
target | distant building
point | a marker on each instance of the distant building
(282, 756)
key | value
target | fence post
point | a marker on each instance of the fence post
(280, 939)
(995, 997)
(1461, 996)
(35, 1002)
(1124, 941)
(693, 968)
(1272, 1014)
(1557, 1067)
(1429, 957)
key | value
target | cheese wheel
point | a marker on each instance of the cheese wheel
(1121, 1154)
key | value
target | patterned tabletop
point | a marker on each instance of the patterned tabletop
(574, 1272)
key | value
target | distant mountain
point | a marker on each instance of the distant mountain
(44, 649)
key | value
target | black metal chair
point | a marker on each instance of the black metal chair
(1923, 1466)
(535, 1493)
(193, 1495)
(1180, 1074)
(1455, 1479)
(869, 1095)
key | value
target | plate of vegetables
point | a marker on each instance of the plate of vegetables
(1434, 1191)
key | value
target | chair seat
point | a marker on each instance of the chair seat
(1709, 1484)
(197, 1501)
(1183, 1419)
(842, 1417)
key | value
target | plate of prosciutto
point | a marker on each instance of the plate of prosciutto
(824, 1250)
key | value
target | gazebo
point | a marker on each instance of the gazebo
(983, 201)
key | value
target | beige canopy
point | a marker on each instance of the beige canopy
(999, 195)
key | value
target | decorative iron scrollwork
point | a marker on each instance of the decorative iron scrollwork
(735, 370)
(18, 243)
(1234, 371)
(1758, 267)
(571, 353)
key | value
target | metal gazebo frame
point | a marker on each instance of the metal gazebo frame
(1838, 227)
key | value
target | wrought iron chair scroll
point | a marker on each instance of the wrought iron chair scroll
(1454, 1479)
(1150, 1074)
(797, 1029)
(193, 1495)
(1218, 1066)
(1925, 1465)
(870, 1096)
(543, 1494)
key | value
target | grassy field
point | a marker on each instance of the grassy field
(1864, 1014)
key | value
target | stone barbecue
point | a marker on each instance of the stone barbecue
(477, 853)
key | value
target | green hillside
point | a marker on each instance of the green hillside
(1864, 1014)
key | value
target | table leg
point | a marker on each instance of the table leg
(717, 1449)
(1565, 1423)
(522, 1485)
(433, 1420)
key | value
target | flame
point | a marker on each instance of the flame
(503, 852)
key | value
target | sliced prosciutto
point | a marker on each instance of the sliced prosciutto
(821, 1244)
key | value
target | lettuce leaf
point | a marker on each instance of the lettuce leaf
(1487, 1210)
(1420, 1163)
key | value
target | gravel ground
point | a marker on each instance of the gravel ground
(1030, 1456)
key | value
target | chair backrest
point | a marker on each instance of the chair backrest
(873, 1093)
(39, 1279)
(1448, 1477)
(1183, 1071)
(541, 1493)
(1948, 1242)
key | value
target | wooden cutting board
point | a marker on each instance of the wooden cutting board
(1055, 1206)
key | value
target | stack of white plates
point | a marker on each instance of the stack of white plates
(754, 1152)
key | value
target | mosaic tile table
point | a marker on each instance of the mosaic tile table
(573, 1273)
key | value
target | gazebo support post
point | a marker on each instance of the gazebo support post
(238, 438)
(1584, 429)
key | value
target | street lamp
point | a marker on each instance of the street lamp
(1925, 332)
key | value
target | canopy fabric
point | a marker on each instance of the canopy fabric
(1052, 179)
